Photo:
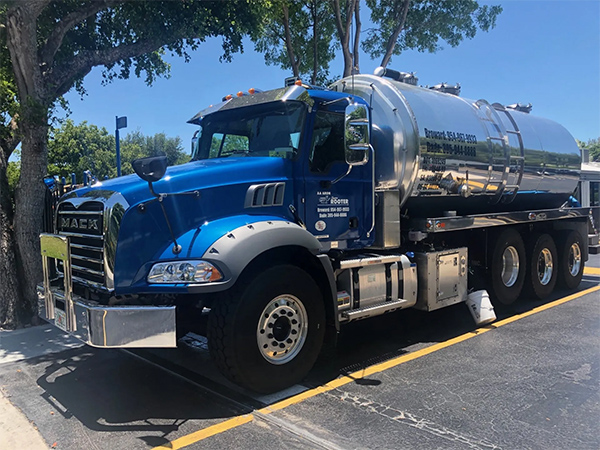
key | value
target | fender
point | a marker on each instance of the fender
(233, 251)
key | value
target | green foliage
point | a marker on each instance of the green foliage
(76, 148)
(427, 23)
(302, 41)
(593, 147)
(153, 26)
(12, 172)
(136, 145)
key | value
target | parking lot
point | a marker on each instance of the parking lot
(404, 380)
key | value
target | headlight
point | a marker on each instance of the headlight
(184, 272)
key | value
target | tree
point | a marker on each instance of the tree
(53, 45)
(421, 24)
(298, 36)
(593, 147)
(136, 145)
(76, 148)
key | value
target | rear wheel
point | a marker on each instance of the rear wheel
(570, 260)
(542, 266)
(507, 268)
(267, 335)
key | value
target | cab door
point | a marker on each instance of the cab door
(338, 199)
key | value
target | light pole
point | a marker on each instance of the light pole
(121, 123)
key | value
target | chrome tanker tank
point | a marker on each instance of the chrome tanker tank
(438, 152)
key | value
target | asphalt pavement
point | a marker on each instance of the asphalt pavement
(405, 380)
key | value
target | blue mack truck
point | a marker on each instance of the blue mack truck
(305, 209)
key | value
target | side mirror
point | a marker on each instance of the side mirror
(356, 135)
(150, 169)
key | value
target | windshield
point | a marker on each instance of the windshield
(271, 129)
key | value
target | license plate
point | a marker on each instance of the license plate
(60, 319)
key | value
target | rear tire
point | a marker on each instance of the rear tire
(267, 335)
(570, 260)
(507, 268)
(542, 266)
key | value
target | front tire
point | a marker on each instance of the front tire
(542, 266)
(267, 335)
(507, 268)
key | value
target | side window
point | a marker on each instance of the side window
(328, 141)
(215, 145)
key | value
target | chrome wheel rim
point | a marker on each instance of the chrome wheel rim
(574, 259)
(510, 266)
(282, 329)
(545, 266)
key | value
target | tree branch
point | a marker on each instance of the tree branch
(355, 50)
(61, 78)
(349, 14)
(55, 39)
(391, 43)
(338, 20)
(288, 41)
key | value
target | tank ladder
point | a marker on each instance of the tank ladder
(517, 160)
(496, 133)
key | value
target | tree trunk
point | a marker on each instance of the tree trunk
(29, 206)
(20, 259)
(11, 313)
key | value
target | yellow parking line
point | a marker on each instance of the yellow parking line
(377, 368)
(591, 270)
(199, 435)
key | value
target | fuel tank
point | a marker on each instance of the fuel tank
(439, 152)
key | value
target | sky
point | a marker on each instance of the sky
(542, 52)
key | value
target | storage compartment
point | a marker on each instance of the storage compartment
(442, 278)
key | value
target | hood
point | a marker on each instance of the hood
(196, 175)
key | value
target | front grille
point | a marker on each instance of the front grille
(84, 226)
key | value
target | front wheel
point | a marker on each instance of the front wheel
(267, 335)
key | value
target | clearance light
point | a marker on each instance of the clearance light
(184, 272)
(228, 97)
(240, 94)
(298, 83)
(251, 91)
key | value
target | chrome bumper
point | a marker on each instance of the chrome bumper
(99, 325)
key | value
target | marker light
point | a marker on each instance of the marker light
(240, 94)
(184, 272)
(251, 91)
(298, 83)
(228, 97)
